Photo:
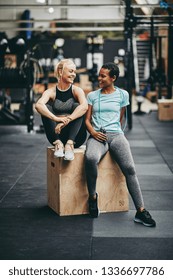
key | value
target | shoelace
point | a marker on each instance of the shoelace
(146, 213)
(71, 147)
(58, 145)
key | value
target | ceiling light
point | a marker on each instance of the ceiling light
(41, 1)
(3, 45)
(51, 10)
(121, 52)
(4, 42)
(20, 41)
(59, 42)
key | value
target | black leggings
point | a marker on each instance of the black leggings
(75, 131)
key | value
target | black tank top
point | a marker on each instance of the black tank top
(64, 102)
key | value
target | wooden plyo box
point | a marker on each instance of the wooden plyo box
(67, 189)
(165, 109)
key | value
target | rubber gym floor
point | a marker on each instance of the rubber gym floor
(30, 230)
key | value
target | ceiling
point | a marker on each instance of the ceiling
(77, 15)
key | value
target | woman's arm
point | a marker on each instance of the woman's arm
(80, 110)
(41, 107)
(95, 134)
(123, 109)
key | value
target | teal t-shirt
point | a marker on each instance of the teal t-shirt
(106, 109)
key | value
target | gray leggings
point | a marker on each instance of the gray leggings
(119, 148)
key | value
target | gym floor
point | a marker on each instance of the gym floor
(30, 230)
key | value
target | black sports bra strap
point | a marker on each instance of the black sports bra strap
(64, 95)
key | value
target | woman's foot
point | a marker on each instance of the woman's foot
(69, 150)
(93, 206)
(144, 217)
(59, 149)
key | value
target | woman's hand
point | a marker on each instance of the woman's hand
(63, 121)
(58, 127)
(99, 136)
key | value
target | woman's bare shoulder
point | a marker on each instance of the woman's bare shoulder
(50, 92)
(77, 89)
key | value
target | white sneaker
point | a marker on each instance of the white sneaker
(59, 149)
(69, 151)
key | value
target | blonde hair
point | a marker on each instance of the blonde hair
(59, 68)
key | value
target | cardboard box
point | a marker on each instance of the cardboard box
(165, 109)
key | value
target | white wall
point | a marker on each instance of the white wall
(98, 13)
(13, 13)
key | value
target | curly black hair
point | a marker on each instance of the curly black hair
(113, 69)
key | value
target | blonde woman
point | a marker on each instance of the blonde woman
(62, 108)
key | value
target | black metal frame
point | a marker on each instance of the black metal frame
(27, 82)
(132, 21)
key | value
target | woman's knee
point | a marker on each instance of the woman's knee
(91, 159)
(129, 170)
(80, 139)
